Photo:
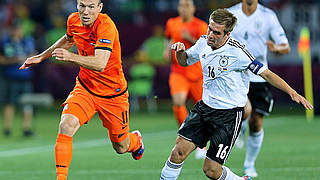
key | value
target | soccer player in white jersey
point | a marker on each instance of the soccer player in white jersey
(217, 117)
(256, 24)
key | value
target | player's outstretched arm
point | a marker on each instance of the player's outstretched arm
(181, 55)
(64, 42)
(281, 49)
(279, 83)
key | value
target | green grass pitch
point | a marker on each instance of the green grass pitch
(290, 150)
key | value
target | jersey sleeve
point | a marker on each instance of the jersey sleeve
(248, 61)
(106, 34)
(69, 23)
(276, 32)
(194, 51)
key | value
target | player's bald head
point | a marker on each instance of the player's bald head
(89, 10)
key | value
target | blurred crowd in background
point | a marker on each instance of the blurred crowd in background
(30, 26)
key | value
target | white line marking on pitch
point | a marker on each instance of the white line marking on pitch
(95, 143)
(77, 145)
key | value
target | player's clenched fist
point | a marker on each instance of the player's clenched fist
(178, 47)
(61, 54)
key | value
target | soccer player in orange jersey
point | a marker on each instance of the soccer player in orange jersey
(100, 86)
(184, 82)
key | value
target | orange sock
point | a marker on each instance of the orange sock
(63, 151)
(180, 112)
(134, 142)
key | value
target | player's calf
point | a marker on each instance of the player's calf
(119, 148)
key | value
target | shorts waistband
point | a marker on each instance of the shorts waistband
(107, 97)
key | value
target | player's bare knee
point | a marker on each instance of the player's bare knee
(120, 148)
(179, 99)
(256, 122)
(179, 103)
(211, 172)
(69, 124)
(177, 155)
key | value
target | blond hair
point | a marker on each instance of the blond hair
(224, 17)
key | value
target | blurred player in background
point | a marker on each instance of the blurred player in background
(217, 117)
(100, 86)
(184, 82)
(259, 28)
(16, 47)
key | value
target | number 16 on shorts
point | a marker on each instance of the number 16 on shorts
(222, 151)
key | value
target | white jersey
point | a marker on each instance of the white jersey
(225, 72)
(255, 30)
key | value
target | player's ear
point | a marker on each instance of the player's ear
(100, 7)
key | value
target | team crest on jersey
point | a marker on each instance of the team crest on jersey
(224, 61)
(105, 41)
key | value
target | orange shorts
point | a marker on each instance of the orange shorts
(113, 112)
(180, 84)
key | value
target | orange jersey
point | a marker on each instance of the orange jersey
(174, 28)
(103, 34)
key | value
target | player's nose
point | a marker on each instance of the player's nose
(210, 34)
(86, 11)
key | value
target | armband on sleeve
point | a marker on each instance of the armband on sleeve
(256, 67)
